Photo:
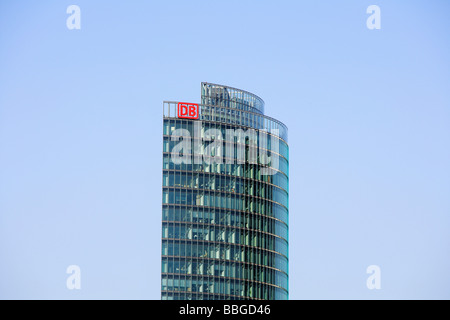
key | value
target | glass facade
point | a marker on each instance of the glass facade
(225, 223)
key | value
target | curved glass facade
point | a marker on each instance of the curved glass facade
(225, 222)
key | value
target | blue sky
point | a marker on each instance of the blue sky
(368, 113)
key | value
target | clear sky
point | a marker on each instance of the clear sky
(368, 113)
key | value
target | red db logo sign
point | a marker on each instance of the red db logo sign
(187, 110)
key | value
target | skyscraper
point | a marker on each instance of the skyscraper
(225, 199)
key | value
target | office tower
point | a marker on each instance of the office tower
(225, 199)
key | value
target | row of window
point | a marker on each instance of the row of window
(171, 230)
(224, 269)
(231, 105)
(230, 97)
(227, 133)
(279, 294)
(207, 181)
(230, 219)
(208, 288)
(222, 200)
(216, 158)
(236, 170)
(223, 216)
(175, 295)
(213, 198)
(231, 252)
